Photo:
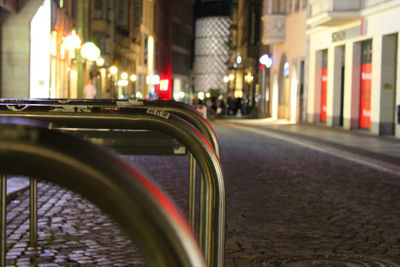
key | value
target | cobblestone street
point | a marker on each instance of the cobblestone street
(284, 201)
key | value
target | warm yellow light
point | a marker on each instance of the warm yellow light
(72, 41)
(133, 78)
(122, 83)
(90, 51)
(164, 85)
(113, 70)
(53, 43)
(62, 51)
(249, 78)
(231, 77)
(74, 74)
(100, 61)
(208, 95)
(124, 75)
(226, 79)
(200, 95)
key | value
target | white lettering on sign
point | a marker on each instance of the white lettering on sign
(366, 76)
(366, 113)
(158, 112)
(338, 36)
(130, 102)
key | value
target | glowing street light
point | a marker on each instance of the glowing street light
(226, 79)
(90, 51)
(100, 61)
(124, 76)
(122, 83)
(249, 78)
(133, 77)
(231, 77)
(266, 60)
(72, 41)
(200, 95)
(113, 70)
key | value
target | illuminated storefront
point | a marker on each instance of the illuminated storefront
(284, 38)
(40, 52)
(356, 87)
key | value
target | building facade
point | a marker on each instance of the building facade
(212, 38)
(284, 82)
(245, 51)
(34, 59)
(182, 52)
(142, 49)
(353, 60)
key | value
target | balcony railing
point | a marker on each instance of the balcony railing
(333, 12)
(274, 27)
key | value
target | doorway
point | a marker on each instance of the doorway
(388, 85)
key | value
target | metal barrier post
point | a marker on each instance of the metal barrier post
(3, 216)
(33, 211)
(185, 111)
(133, 201)
(213, 219)
(192, 190)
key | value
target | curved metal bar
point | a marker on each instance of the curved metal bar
(140, 208)
(183, 110)
(3, 219)
(213, 239)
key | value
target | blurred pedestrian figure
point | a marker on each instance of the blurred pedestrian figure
(214, 105)
(231, 106)
(244, 106)
(89, 91)
(222, 106)
(238, 106)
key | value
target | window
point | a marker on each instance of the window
(296, 5)
(98, 8)
(305, 3)
(278, 6)
(289, 6)
(98, 4)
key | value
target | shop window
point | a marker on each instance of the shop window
(296, 5)
(98, 9)
(289, 6)
(278, 6)
(305, 3)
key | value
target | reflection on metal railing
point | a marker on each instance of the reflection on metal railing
(141, 209)
(212, 220)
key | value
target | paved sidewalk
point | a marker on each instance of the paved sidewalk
(15, 185)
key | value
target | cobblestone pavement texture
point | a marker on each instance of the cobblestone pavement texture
(283, 201)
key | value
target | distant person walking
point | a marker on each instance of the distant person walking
(89, 91)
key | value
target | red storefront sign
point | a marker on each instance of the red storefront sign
(324, 86)
(365, 95)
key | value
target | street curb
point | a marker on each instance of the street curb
(13, 195)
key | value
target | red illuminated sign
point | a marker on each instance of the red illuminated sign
(165, 91)
(365, 95)
(324, 86)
